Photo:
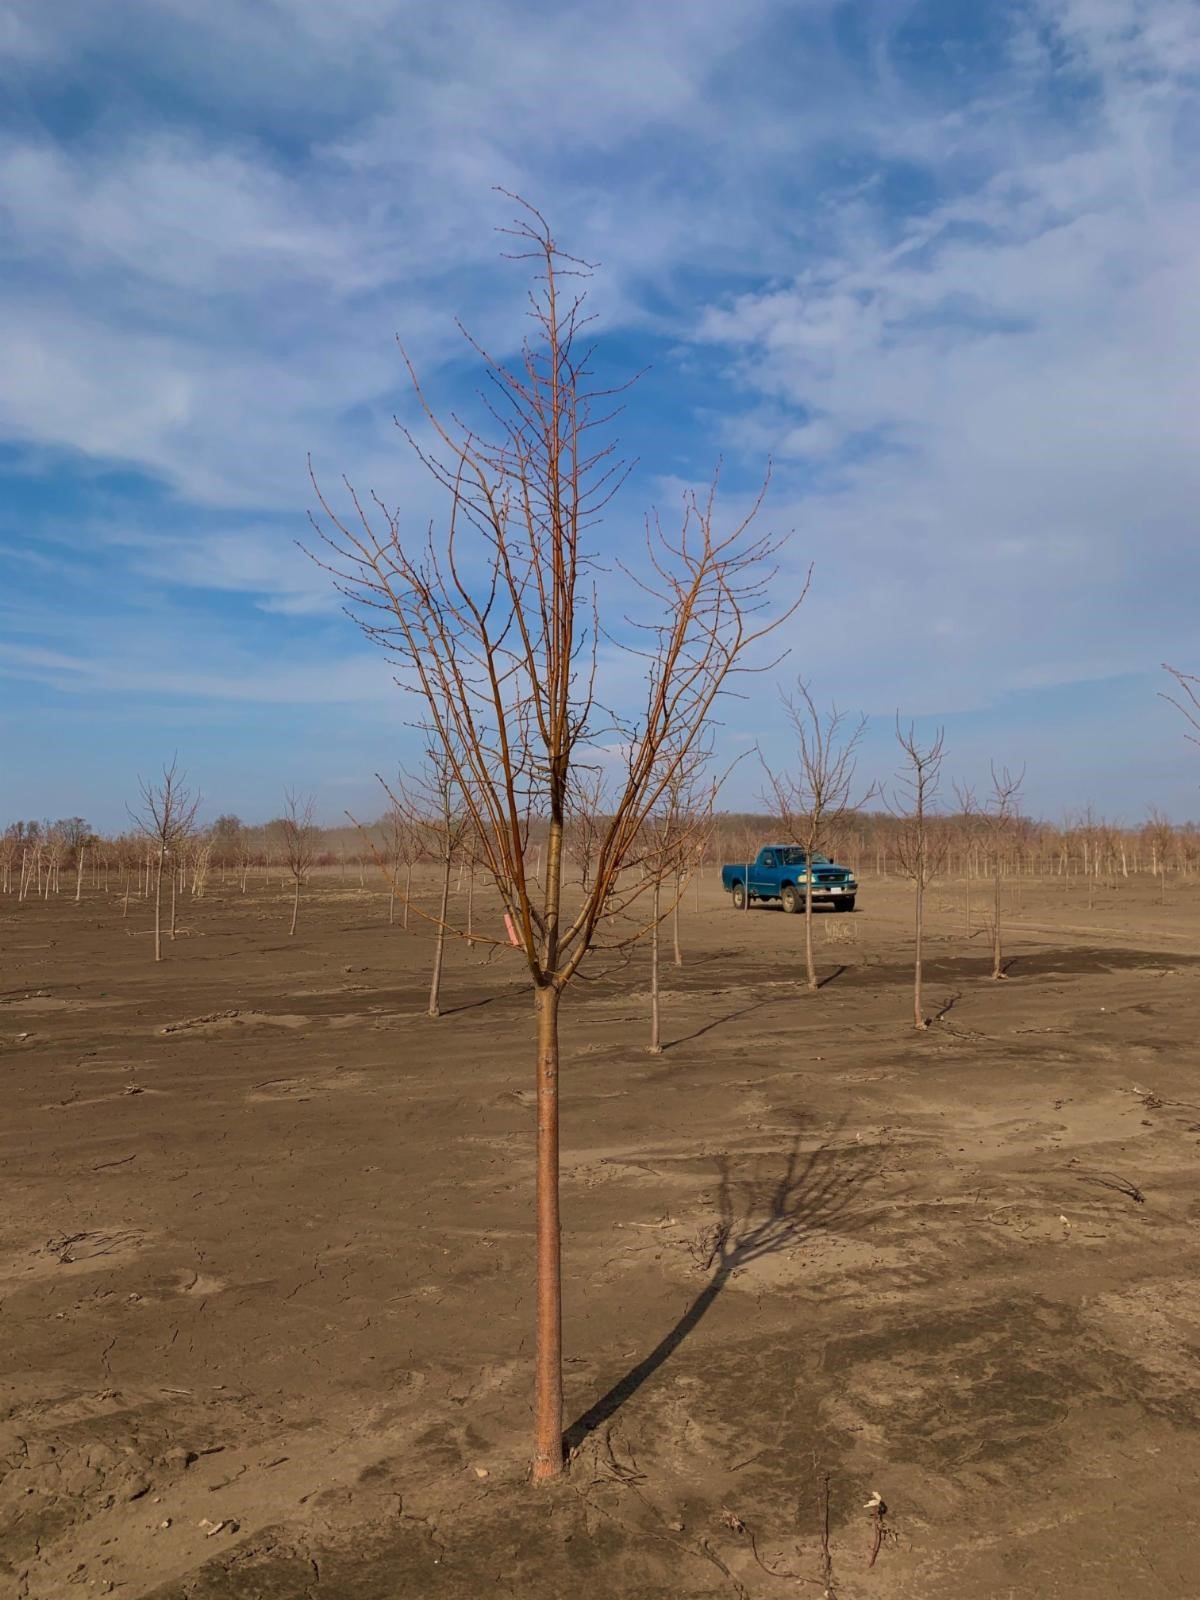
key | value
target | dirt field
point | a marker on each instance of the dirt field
(265, 1259)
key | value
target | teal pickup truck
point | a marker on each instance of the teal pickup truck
(781, 873)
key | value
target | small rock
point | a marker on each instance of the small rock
(482, 1472)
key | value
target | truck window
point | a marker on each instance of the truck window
(768, 859)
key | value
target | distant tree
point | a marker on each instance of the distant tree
(919, 849)
(75, 831)
(227, 837)
(814, 801)
(298, 836)
(1160, 837)
(165, 817)
(584, 822)
(995, 823)
(675, 829)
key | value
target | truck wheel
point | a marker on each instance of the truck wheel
(790, 897)
(739, 897)
(845, 905)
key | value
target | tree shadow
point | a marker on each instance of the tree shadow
(833, 976)
(756, 1217)
(707, 1027)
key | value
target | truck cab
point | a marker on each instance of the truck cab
(782, 871)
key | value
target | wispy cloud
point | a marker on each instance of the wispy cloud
(938, 262)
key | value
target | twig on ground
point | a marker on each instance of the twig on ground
(878, 1511)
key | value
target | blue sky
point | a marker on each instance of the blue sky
(938, 259)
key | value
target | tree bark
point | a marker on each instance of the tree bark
(675, 922)
(655, 1043)
(295, 907)
(918, 1009)
(439, 948)
(997, 954)
(407, 893)
(79, 876)
(548, 1403)
(158, 908)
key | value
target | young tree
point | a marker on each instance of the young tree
(298, 835)
(1160, 836)
(494, 626)
(403, 847)
(445, 822)
(677, 826)
(995, 823)
(918, 850)
(815, 802)
(164, 818)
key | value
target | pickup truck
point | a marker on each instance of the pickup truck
(781, 873)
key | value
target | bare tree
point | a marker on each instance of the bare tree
(585, 804)
(994, 823)
(815, 802)
(494, 626)
(299, 835)
(1160, 836)
(404, 847)
(165, 817)
(674, 831)
(1188, 702)
(446, 824)
(918, 851)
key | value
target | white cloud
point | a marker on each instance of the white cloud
(962, 316)
(357, 680)
(1012, 382)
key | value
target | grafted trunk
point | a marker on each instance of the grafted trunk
(548, 1404)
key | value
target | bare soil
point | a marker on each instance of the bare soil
(265, 1258)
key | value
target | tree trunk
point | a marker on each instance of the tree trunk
(158, 908)
(810, 965)
(79, 877)
(439, 947)
(174, 888)
(997, 959)
(918, 1010)
(548, 1403)
(675, 922)
(407, 893)
(655, 1044)
(471, 908)
(295, 908)
(392, 900)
